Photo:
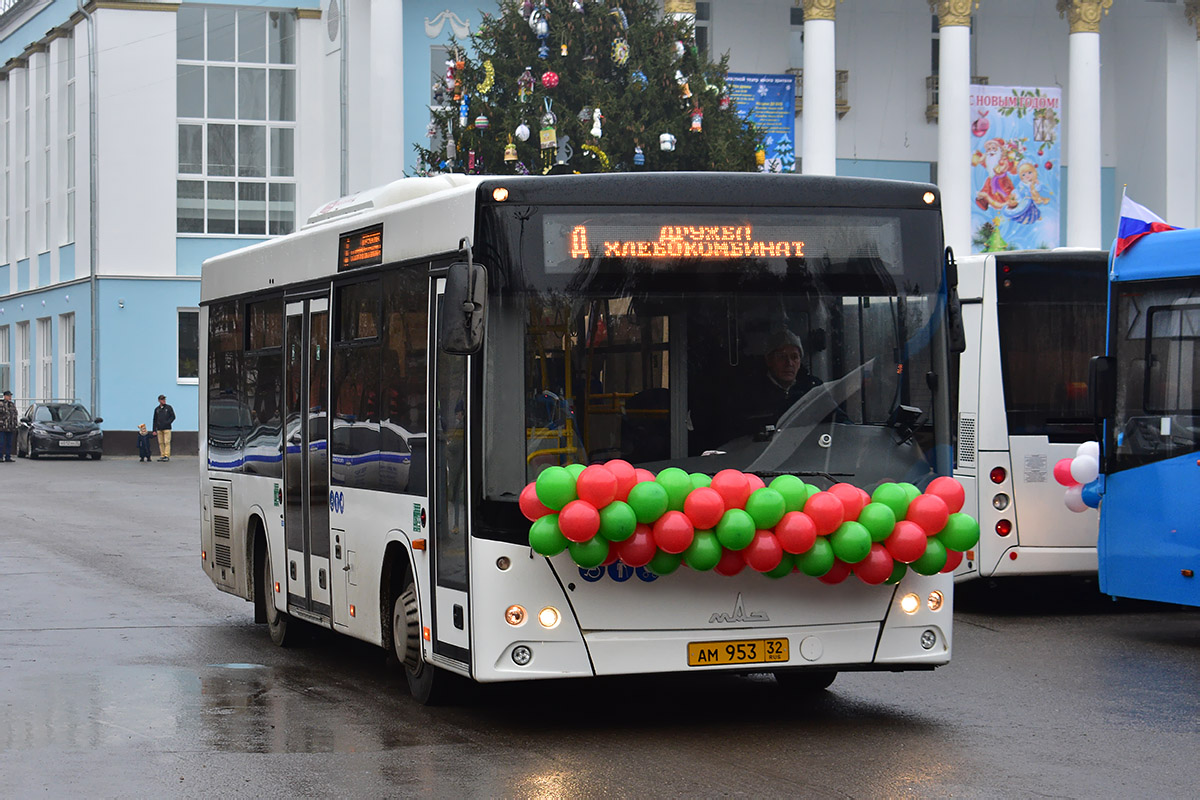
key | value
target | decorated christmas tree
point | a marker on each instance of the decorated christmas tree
(583, 86)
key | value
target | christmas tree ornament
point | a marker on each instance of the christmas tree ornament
(521, 168)
(431, 131)
(522, 132)
(760, 156)
(539, 21)
(623, 20)
(563, 50)
(549, 79)
(620, 51)
(697, 120)
(526, 8)
(679, 50)
(510, 151)
(548, 136)
(585, 115)
(666, 142)
(682, 80)
(639, 79)
(577, 6)
(470, 161)
(489, 78)
(597, 118)
(451, 149)
(525, 85)
(595, 152)
(724, 102)
(482, 123)
(639, 158)
(462, 112)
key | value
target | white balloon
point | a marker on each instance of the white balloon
(1074, 500)
(1085, 468)
(1089, 449)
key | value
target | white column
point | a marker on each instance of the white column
(954, 134)
(386, 94)
(818, 119)
(1198, 120)
(1083, 140)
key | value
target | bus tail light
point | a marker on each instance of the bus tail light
(1000, 502)
(515, 615)
(1004, 527)
(276, 587)
(204, 555)
(998, 474)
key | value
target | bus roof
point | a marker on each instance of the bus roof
(1170, 254)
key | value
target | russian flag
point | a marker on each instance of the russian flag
(1136, 222)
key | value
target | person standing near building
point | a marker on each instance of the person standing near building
(8, 426)
(164, 415)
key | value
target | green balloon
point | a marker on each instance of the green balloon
(933, 560)
(893, 496)
(545, 538)
(786, 565)
(878, 519)
(677, 483)
(699, 479)
(766, 507)
(591, 553)
(899, 570)
(704, 551)
(910, 491)
(961, 533)
(555, 487)
(736, 529)
(851, 542)
(665, 563)
(818, 560)
(648, 500)
(575, 469)
(794, 491)
(617, 521)
(810, 490)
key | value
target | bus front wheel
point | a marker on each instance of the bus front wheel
(427, 683)
(277, 621)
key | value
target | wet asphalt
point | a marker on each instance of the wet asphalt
(125, 673)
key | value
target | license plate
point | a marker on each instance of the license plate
(69, 443)
(749, 651)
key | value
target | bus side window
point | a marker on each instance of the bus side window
(403, 435)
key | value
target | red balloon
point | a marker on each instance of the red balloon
(530, 506)
(764, 552)
(906, 542)
(827, 511)
(876, 567)
(625, 474)
(953, 559)
(733, 486)
(951, 492)
(731, 563)
(927, 510)
(837, 573)
(851, 498)
(673, 532)
(637, 550)
(612, 555)
(579, 520)
(1062, 472)
(704, 507)
(796, 532)
(597, 485)
(756, 482)
(865, 495)
(643, 475)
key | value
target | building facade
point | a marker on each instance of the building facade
(139, 138)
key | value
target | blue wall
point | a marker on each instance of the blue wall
(191, 252)
(53, 302)
(891, 170)
(138, 351)
(66, 262)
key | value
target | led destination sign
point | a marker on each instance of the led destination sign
(362, 248)
(685, 241)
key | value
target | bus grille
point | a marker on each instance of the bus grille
(966, 440)
(224, 555)
(220, 526)
(220, 495)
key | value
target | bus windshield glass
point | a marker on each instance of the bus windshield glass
(764, 340)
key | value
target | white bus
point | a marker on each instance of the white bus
(1033, 320)
(382, 384)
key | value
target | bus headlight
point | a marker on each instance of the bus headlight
(1000, 502)
(515, 615)
(910, 603)
(548, 617)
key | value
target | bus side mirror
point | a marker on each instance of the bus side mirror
(954, 318)
(463, 307)
(1102, 386)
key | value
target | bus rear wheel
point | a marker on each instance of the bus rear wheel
(429, 685)
(277, 621)
(805, 681)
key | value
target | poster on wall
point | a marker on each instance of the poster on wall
(769, 101)
(1016, 169)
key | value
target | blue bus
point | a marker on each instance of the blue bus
(1147, 391)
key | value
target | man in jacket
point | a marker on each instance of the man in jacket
(8, 426)
(164, 415)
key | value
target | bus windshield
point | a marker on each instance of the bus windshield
(797, 342)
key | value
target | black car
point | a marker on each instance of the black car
(59, 429)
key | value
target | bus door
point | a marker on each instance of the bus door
(449, 491)
(306, 464)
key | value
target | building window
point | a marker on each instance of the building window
(44, 88)
(66, 360)
(189, 345)
(703, 28)
(5, 363)
(6, 144)
(236, 90)
(22, 387)
(69, 124)
(28, 172)
(796, 40)
(45, 352)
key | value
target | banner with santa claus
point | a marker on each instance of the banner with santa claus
(1015, 167)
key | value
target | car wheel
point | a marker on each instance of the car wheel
(429, 685)
(83, 456)
(96, 456)
(277, 621)
(29, 451)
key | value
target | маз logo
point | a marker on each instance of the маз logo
(739, 614)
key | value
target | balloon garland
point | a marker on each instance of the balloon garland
(1081, 477)
(608, 512)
